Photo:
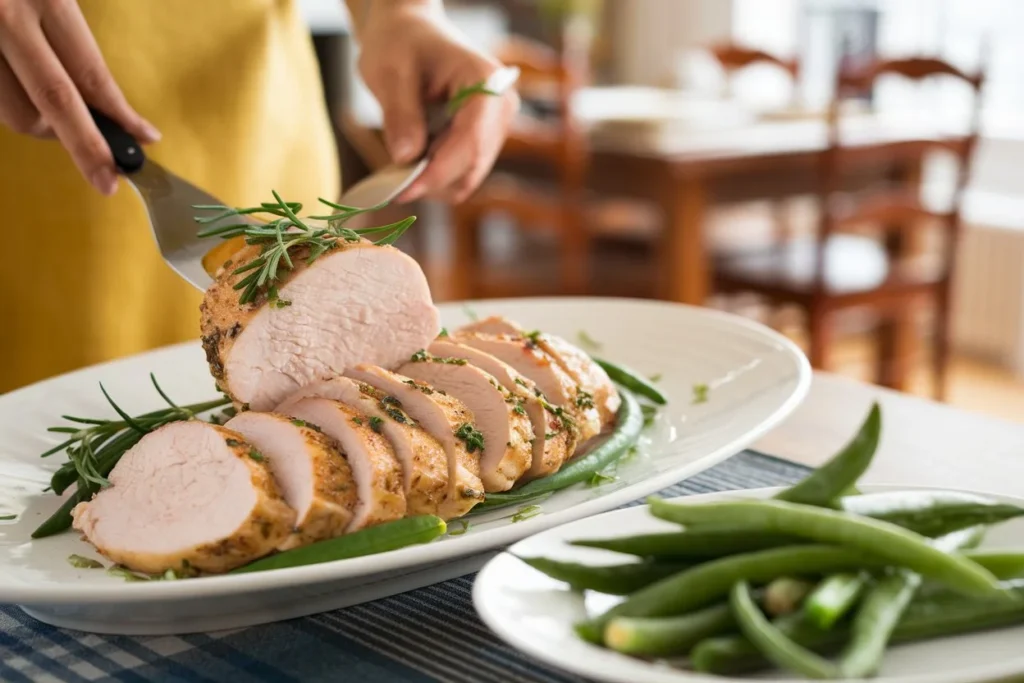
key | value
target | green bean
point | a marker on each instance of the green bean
(632, 380)
(61, 519)
(882, 607)
(617, 579)
(881, 539)
(730, 655)
(1002, 562)
(667, 636)
(784, 595)
(834, 597)
(692, 544)
(843, 470)
(629, 424)
(773, 643)
(930, 513)
(711, 581)
(369, 541)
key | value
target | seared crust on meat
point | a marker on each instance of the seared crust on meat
(268, 523)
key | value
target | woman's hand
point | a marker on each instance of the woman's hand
(50, 70)
(410, 55)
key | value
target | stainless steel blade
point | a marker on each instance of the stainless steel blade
(169, 200)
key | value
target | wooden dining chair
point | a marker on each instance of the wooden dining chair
(840, 267)
(734, 58)
(555, 144)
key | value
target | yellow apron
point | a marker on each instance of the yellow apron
(234, 87)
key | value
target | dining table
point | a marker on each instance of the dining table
(432, 633)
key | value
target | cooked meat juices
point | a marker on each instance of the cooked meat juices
(555, 384)
(189, 494)
(359, 303)
(315, 478)
(590, 376)
(375, 468)
(499, 416)
(552, 444)
(423, 460)
(446, 419)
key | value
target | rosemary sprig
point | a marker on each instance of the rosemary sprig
(286, 234)
(95, 446)
(463, 94)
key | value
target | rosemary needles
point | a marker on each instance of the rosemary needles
(94, 446)
(286, 235)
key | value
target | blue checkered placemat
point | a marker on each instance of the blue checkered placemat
(425, 635)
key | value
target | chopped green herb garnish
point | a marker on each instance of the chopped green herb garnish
(126, 574)
(532, 338)
(656, 377)
(588, 341)
(390, 400)
(357, 420)
(444, 332)
(521, 382)
(473, 439)
(419, 356)
(233, 443)
(299, 423)
(450, 361)
(274, 300)
(519, 409)
(584, 399)
(375, 423)
(599, 480)
(550, 435)
(458, 532)
(80, 562)
(256, 455)
(700, 393)
(396, 415)
(526, 512)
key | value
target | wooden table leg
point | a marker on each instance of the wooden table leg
(684, 258)
(897, 338)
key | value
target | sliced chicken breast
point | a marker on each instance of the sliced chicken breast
(187, 495)
(563, 394)
(446, 419)
(358, 303)
(576, 362)
(552, 445)
(314, 477)
(375, 469)
(423, 460)
(501, 417)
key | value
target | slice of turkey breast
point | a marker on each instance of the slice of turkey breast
(423, 460)
(375, 468)
(590, 376)
(187, 495)
(358, 303)
(446, 419)
(552, 445)
(499, 416)
(314, 477)
(565, 399)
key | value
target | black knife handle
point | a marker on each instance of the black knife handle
(128, 155)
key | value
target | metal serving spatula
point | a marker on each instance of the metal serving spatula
(169, 199)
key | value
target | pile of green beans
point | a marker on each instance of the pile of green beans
(819, 579)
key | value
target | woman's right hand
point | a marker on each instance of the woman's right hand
(51, 70)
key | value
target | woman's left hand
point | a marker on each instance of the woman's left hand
(410, 55)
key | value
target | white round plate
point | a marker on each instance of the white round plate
(755, 378)
(535, 613)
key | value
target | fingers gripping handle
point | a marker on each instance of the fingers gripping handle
(128, 155)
